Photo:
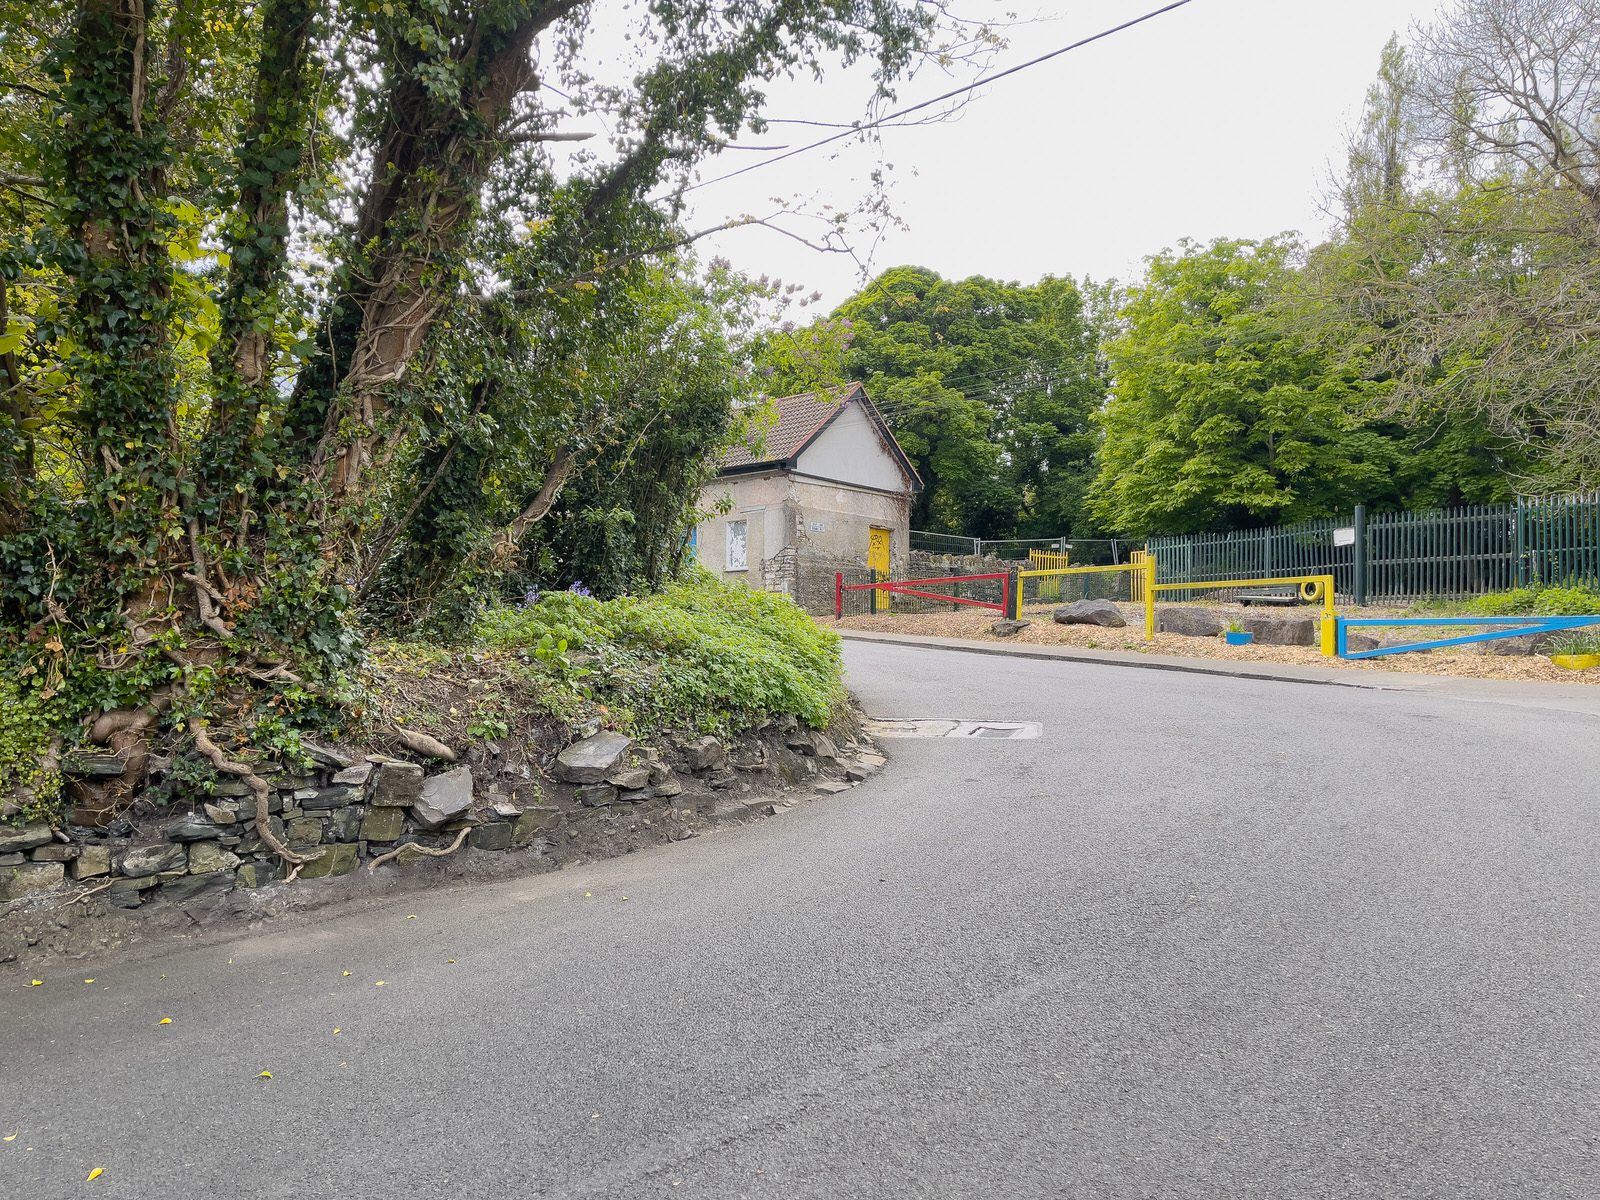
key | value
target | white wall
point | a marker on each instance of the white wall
(852, 451)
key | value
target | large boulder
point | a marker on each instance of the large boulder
(1274, 630)
(1091, 612)
(1189, 622)
(445, 798)
(592, 759)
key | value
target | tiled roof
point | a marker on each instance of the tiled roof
(800, 418)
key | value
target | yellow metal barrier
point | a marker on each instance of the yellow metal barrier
(1144, 573)
(1138, 558)
(1048, 560)
(1312, 587)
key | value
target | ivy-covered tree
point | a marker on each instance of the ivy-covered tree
(241, 229)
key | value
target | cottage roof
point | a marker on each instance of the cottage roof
(801, 419)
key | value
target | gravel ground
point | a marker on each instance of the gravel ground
(1458, 661)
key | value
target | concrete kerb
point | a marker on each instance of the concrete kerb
(1575, 698)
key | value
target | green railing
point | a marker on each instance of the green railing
(1449, 552)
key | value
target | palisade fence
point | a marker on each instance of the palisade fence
(1446, 553)
(1082, 551)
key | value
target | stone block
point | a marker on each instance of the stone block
(1281, 631)
(494, 836)
(596, 795)
(1008, 628)
(222, 814)
(383, 824)
(13, 859)
(24, 837)
(705, 754)
(30, 879)
(1090, 612)
(592, 759)
(342, 825)
(668, 788)
(445, 797)
(335, 860)
(148, 860)
(55, 852)
(129, 893)
(303, 832)
(205, 857)
(191, 886)
(535, 821)
(629, 779)
(356, 776)
(399, 785)
(193, 828)
(92, 860)
(323, 799)
(256, 874)
(1188, 622)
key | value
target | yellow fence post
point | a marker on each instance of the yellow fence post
(1149, 581)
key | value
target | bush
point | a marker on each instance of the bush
(1574, 600)
(699, 654)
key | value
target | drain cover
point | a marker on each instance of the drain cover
(935, 727)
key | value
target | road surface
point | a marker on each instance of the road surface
(1203, 937)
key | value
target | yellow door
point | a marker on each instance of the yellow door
(878, 560)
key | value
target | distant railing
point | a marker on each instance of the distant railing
(1451, 552)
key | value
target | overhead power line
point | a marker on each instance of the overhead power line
(940, 99)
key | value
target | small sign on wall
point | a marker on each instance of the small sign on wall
(1345, 536)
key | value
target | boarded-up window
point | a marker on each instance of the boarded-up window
(737, 560)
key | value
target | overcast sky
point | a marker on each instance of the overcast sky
(1223, 118)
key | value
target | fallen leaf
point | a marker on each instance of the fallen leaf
(164, 1021)
(378, 984)
(412, 917)
(95, 1174)
(265, 1075)
(586, 895)
(451, 961)
(346, 974)
(88, 981)
(10, 1137)
(624, 897)
(336, 1029)
(35, 983)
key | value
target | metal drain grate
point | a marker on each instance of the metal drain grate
(935, 727)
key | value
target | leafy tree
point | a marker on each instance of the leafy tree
(244, 233)
(1219, 416)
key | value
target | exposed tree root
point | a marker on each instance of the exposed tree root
(263, 795)
(416, 849)
(421, 743)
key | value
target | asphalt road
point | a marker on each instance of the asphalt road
(1204, 937)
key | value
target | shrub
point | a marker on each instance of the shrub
(700, 653)
(1572, 600)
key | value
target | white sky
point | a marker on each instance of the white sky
(1223, 118)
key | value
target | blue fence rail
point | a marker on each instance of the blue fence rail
(1382, 557)
(1494, 629)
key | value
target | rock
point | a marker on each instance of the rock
(1525, 643)
(596, 795)
(832, 789)
(344, 825)
(505, 810)
(327, 755)
(30, 879)
(356, 776)
(221, 815)
(15, 858)
(540, 819)
(445, 798)
(191, 886)
(668, 788)
(812, 742)
(92, 766)
(193, 828)
(1090, 612)
(630, 779)
(1281, 630)
(856, 773)
(92, 860)
(335, 860)
(592, 759)
(399, 785)
(303, 832)
(1188, 622)
(383, 824)
(235, 789)
(55, 852)
(323, 799)
(704, 754)
(637, 796)
(24, 837)
(1008, 628)
(129, 893)
(256, 874)
(147, 860)
(494, 836)
(205, 857)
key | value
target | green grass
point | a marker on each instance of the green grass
(700, 654)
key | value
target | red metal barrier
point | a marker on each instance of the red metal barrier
(904, 587)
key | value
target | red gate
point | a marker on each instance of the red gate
(908, 587)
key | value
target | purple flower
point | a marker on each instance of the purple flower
(577, 588)
(530, 597)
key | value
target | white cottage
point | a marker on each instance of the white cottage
(826, 489)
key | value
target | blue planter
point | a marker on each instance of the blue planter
(1238, 639)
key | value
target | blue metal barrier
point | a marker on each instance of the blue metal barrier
(1517, 627)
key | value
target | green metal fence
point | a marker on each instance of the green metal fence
(1451, 552)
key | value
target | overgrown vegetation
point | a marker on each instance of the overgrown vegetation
(698, 654)
(1573, 600)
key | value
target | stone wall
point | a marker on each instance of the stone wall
(353, 808)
